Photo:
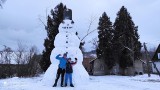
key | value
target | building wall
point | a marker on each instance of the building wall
(138, 67)
(86, 64)
(99, 67)
(158, 66)
(115, 70)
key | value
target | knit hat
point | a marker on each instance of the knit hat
(65, 54)
(69, 59)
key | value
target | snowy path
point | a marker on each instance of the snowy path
(96, 83)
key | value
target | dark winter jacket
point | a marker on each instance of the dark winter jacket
(63, 61)
(69, 67)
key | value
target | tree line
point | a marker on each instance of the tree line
(22, 62)
(118, 42)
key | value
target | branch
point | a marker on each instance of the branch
(42, 22)
(46, 28)
(89, 27)
(91, 22)
(94, 42)
(88, 34)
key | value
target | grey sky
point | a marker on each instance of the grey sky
(19, 19)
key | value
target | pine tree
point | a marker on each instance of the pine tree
(137, 45)
(126, 39)
(52, 30)
(105, 35)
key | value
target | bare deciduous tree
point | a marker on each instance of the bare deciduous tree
(27, 61)
(94, 42)
(89, 31)
(5, 60)
(33, 65)
(1, 55)
(6, 55)
(19, 53)
(20, 59)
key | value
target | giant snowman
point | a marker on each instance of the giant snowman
(66, 41)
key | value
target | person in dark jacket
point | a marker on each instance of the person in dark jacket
(61, 68)
(69, 71)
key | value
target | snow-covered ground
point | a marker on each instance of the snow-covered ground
(95, 83)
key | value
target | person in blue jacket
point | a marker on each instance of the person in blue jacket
(61, 68)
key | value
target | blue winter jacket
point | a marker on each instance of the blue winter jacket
(62, 60)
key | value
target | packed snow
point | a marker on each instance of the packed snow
(142, 82)
(66, 41)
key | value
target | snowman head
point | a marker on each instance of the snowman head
(66, 26)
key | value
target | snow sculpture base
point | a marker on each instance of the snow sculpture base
(80, 75)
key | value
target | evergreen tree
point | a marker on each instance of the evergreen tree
(105, 35)
(52, 30)
(126, 39)
(137, 45)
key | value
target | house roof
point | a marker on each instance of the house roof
(155, 57)
(93, 60)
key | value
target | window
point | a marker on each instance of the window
(158, 55)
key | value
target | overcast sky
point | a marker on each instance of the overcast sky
(19, 19)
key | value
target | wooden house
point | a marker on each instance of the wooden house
(98, 68)
(156, 59)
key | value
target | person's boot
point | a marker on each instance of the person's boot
(71, 85)
(54, 85)
(65, 84)
(61, 85)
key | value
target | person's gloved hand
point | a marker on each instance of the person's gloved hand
(76, 59)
